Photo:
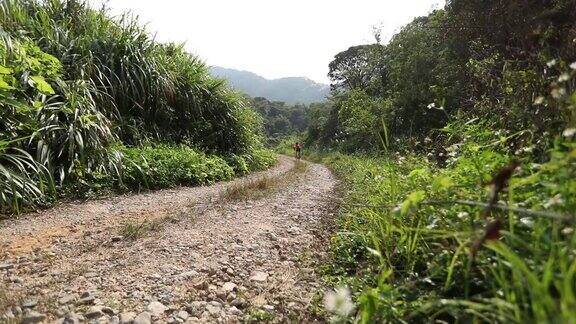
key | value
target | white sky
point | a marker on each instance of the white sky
(272, 38)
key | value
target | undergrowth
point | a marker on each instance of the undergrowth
(404, 240)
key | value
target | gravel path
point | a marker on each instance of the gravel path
(180, 255)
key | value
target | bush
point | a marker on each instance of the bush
(261, 159)
(166, 166)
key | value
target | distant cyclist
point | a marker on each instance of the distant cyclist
(297, 150)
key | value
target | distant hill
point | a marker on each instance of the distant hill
(291, 90)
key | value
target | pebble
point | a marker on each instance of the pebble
(156, 308)
(183, 315)
(66, 299)
(259, 276)
(30, 303)
(89, 300)
(234, 311)
(127, 317)
(229, 287)
(33, 317)
(213, 310)
(94, 312)
(143, 318)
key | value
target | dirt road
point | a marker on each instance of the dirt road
(235, 251)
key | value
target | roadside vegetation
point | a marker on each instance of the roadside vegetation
(456, 145)
(89, 103)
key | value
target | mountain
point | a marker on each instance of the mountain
(291, 90)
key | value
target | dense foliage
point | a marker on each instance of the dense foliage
(430, 119)
(74, 81)
(281, 120)
(486, 59)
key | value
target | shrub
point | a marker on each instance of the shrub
(165, 166)
(260, 159)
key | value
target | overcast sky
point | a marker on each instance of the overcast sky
(272, 38)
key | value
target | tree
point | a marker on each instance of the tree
(359, 67)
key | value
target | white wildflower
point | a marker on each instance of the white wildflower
(432, 225)
(556, 200)
(452, 148)
(551, 63)
(462, 215)
(339, 302)
(431, 106)
(427, 140)
(564, 77)
(527, 221)
(567, 231)
(558, 93)
(573, 66)
(539, 100)
(569, 132)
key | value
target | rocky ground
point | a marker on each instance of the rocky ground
(182, 255)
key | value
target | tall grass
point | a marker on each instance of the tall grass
(74, 80)
(410, 260)
(150, 90)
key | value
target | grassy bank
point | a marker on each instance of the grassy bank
(407, 228)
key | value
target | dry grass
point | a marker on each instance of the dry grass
(133, 230)
(262, 186)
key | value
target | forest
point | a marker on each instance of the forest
(456, 141)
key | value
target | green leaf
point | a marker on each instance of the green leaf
(442, 183)
(413, 199)
(42, 85)
(4, 85)
(5, 70)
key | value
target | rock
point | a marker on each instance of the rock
(183, 315)
(143, 318)
(108, 311)
(6, 266)
(114, 320)
(30, 303)
(234, 311)
(8, 315)
(156, 308)
(268, 307)
(259, 276)
(188, 274)
(200, 284)
(33, 317)
(88, 300)
(71, 318)
(127, 317)
(238, 302)
(272, 237)
(213, 310)
(229, 287)
(66, 299)
(94, 312)
(196, 307)
(17, 310)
